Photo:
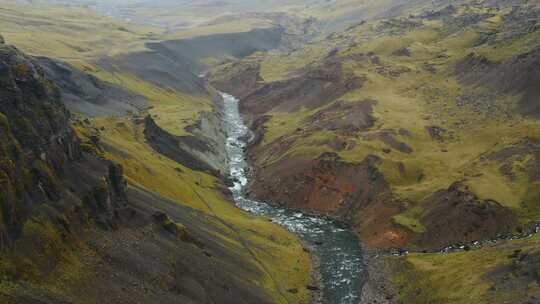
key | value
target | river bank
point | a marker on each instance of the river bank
(338, 250)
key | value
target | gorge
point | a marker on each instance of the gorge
(264, 152)
(336, 249)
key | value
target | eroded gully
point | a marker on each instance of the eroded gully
(338, 249)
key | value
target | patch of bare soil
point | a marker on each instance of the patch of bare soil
(437, 133)
(323, 184)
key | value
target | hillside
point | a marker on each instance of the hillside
(386, 151)
(420, 129)
(114, 188)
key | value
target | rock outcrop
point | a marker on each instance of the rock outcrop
(198, 151)
(313, 88)
(37, 140)
(69, 220)
(516, 75)
(457, 215)
(43, 170)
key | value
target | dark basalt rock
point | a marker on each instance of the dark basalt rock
(42, 164)
(402, 52)
(174, 147)
(36, 143)
(436, 133)
(457, 215)
(117, 183)
(517, 75)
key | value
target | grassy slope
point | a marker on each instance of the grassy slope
(470, 277)
(81, 36)
(70, 33)
(412, 101)
(280, 255)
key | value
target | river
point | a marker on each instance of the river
(338, 249)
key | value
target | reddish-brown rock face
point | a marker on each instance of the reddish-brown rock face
(355, 193)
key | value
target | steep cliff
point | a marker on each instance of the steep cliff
(73, 230)
(37, 141)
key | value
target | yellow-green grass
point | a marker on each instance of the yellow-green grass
(386, 45)
(280, 254)
(459, 277)
(414, 101)
(39, 247)
(81, 35)
(409, 219)
(172, 110)
(440, 164)
(281, 124)
(73, 33)
(515, 191)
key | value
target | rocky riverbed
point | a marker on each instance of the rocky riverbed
(336, 248)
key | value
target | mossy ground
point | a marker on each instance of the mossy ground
(414, 92)
(413, 99)
(81, 36)
(44, 258)
(277, 253)
(280, 254)
(465, 277)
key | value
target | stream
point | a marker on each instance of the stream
(338, 249)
